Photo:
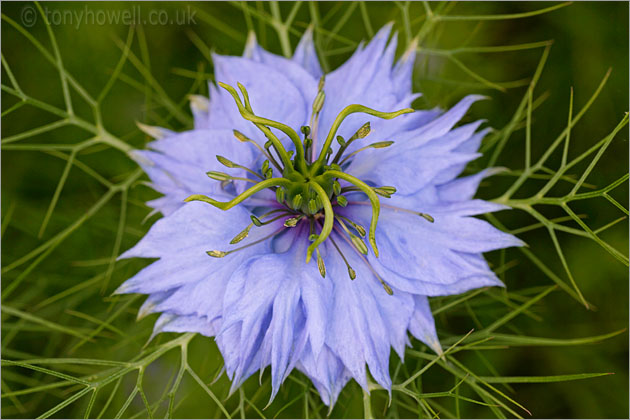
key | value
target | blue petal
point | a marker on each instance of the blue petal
(422, 324)
(326, 371)
(262, 301)
(366, 321)
(374, 84)
(273, 93)
(418, 157)
(306, 56)
(183, 324)
(178, 164)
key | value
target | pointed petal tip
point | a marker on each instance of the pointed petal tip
(250, 45)
(121, 290)
(199, 103)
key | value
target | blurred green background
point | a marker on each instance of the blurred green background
(60, 294)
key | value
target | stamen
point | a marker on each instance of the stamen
(386, 192)
(258, 223)
(292, 222)
(377, 145)
(244, 139)
(351, 109)
(320, 264)
(244, 233)
(373, 199)
(386, 286)
(351, 273)
(261, 123)
(312, 206)
(217, 254)
(358, 242)
(297, 201)
(306, 130)
(280, 195)
(315, 117)
(336, 187)
(229, 164)
(222, 176)
(342, 201)
(425, 216)
(221, 254)
(266, 170)
(360, 229)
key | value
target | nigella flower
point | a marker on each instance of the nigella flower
(296, 241)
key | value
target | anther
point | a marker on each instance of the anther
(381, 144)
(306, 130)
(342, 201)
(356, 241)
(297, 201)
(360, 229)
(238, 238)
(241, 137)
(219, 176)
(244, 139)
(225, 162)
(312, 206)
(222, 176)
(216, 254)
(229, 164)
(363, 131)
(351, 272)
(336, 187)
(221, 254)
(318, 103)
(280, 195)
(382, 192)
(377, 145)
(386, 286)
(320, 264)
(427, 217)
(293, 221)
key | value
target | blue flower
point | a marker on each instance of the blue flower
(247, 202)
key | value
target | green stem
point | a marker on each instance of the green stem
(373, 199)
(367, 406)
(351, 109)
(272, 182)
(329, 218)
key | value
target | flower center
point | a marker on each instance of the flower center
(309, 188)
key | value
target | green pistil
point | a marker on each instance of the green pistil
(365, 188)
(263, 124)
(349, 110)
(329, 216)
(307, 189)
(268, 183)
